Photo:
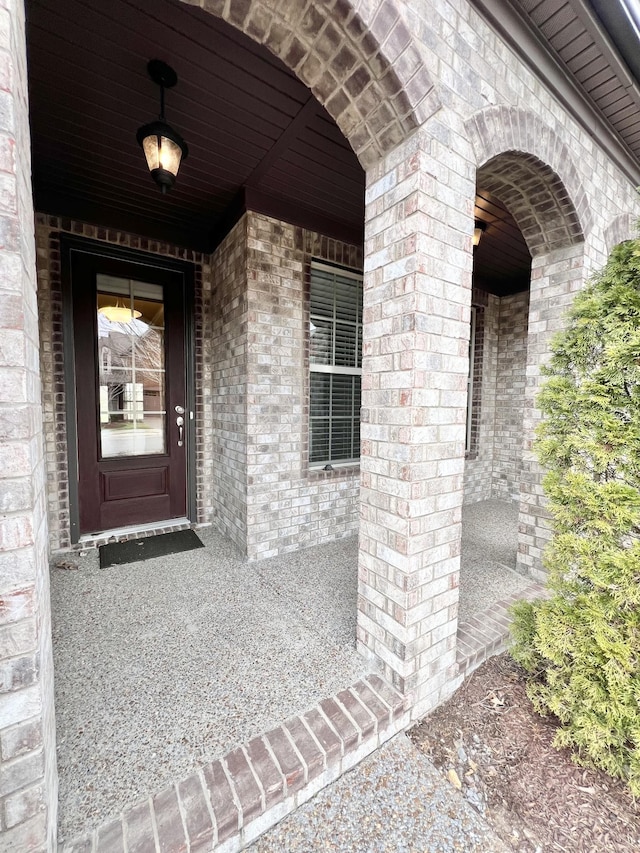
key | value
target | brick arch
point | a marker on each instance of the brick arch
(360, 63)
(528, 167)
(623, 227)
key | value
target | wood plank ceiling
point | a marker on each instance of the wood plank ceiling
(501, 261)
(252, 127)
(234, 101)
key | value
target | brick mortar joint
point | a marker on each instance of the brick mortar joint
(265, 742)
(183, 812)
(291, 740)
(390, 720)
(263, 793)
(234, 794)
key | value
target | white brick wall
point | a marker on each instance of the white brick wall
(266, 497)
(555, 279)
(227, 355)
(479, 463)
(415, 361)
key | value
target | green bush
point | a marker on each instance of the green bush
(581, 648)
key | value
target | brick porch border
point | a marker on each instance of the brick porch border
(226, 804)
(124, 534)
(485, 633)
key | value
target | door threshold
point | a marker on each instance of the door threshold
(135, 531)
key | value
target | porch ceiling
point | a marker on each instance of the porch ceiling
(501, 261)
(256, 135)
(248, 120)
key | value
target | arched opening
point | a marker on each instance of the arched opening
(623, 227)
(495, 409)
(244, 343)
(261, 232)
(530, 231)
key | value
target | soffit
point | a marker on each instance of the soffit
(577, 36)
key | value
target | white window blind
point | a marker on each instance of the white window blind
(335, 353)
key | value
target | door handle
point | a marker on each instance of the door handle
(180, 425)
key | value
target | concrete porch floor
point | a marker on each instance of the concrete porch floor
(489, 550)
(163, 665)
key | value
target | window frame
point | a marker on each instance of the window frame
(468, 442)
(333, 369)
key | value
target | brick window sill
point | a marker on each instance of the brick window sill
(341, 472)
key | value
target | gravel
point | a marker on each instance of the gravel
(393, 802)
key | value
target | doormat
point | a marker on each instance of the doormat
(133, 550)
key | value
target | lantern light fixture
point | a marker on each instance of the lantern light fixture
(478, 230)
(164, 148)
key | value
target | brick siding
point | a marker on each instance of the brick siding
(555, 279)
(417, 300)
(267, 499)
(479, 462)
(227, 354)
(289, 505)
(28, 780)
(508, 434)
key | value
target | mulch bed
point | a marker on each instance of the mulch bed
(490, 743)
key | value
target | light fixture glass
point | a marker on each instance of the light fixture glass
(164, 148)
(119, 313)
(478, 230)
(162, 152)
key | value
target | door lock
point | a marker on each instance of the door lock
(179, 410)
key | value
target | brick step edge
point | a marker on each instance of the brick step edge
(486, 633)
(227, 804)
(124, 534)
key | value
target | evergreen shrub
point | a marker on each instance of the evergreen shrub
(581, 647)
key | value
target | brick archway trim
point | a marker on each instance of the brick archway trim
(528, 167)
(358, 58)
(623, 227)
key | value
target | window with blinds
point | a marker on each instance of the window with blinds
(335, 333)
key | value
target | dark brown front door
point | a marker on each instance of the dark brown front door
(130, 378)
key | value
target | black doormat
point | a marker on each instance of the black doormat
(118, 553)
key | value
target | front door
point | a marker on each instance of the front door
(130, 390)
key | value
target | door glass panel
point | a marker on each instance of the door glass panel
(131, 367)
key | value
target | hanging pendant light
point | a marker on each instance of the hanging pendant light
(163, 147)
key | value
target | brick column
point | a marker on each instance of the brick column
(28, 787)
(555, 278)
(418, 268)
